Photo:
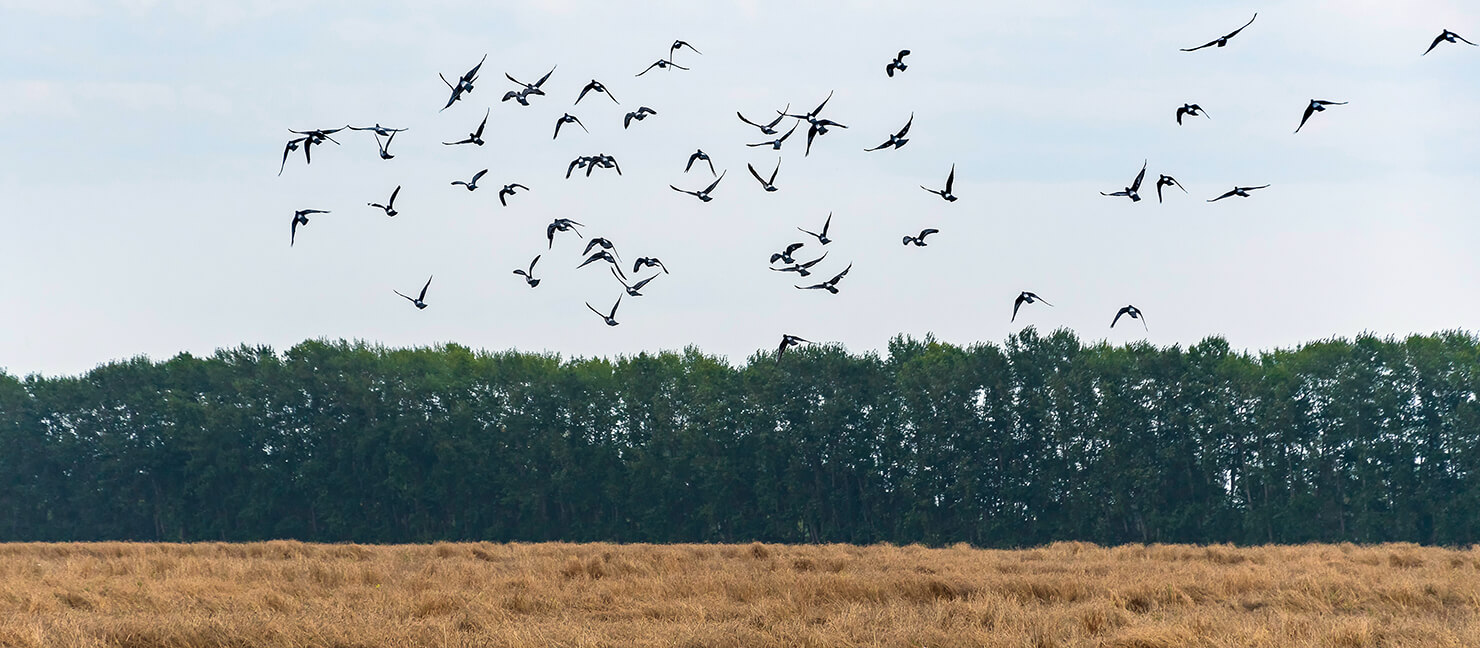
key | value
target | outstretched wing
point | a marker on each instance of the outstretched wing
(1136, 186)
(721, 177)
(1194, 49)
(951, 179)
(1224, 196)
(1236, 31)
(1015, 304)
(1310, 109)
(906, 130)
(423, 294)
(1118, 313)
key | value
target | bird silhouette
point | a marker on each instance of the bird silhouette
(945, 193)
(919, 241)
(602, 255)
(300, 217)
(522, 95)
(508, 190)
(385, 152)
(420, 301)
(378, 130)
(562, 225)
(1167, 181)
(567, 118)
(1131, 191)
(529, 274)
(475, 137)
(633, 289)
(1191, 109)
(605, 244)
(1223, 40)
(699, 154)
(598, 87)
(677, 45)
(640, 114)
(831, 285)
(802, 269)
(1133, 312)
(788, 340)
(611, 318)
(766, 129)
(292, 146)
(1024, 297)
(822, 237)
(896, 140)
(1241, 192)
(661, 64)
(390, 206)
(768, 185)
(785, 255)
(473, 184)
(1446, 36)
(1316, 105)
(464, 83)
(702, 195)
(897, 63)
(775, 144)
(648, 262)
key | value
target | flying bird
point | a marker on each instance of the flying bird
(605, 245)
(309, 140)
(1241, 192)
(802, 269)
(775, 144)
(703, 195)
(1446, 36)
(946, 193)
(699, 154)
(508, 190)
(562, 225)
(473, 185)
(1167, 181)
(831, 285)
(661, 64)
(529, 274)
(598, 87)
(378, 130)
(815, 111)
(818, 127)
(604, 161)
(632, 289)
(420, 301)
(1133, 312)
(464, 83)
(648, 262)
(785, 255)
(475, 137)
(1316, 105)
(300, 217)
(292, 146)
(640, 114)
(766, 129)
(821, 237)
(611, 319)
(1220, 42)
(529, 88)
(1025, 297)
(385, 153)
(1132, 190)
(896, 140)
(677, 45)
(567, 118)
(1191, 109)
(768, 185)
(602, 255)
(390, 206)
(788, 340)
(897, 63)
(919, 241)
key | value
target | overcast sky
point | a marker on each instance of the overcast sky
(140, 143)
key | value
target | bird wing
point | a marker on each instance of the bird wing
(1181, 111)
(824, 103)
(889, 69)
(1117, 316)
(655, 64)
(1015, 304)
(478, 175)
(753, 172)
(868, 150)
(1223, 196)
(827, 224)
(584, 91)
(722, 177)
(683, 190)
(951, 179)
(399, 293)
(811, 133)
(1194, 49)
(927, 232)
(813, 262)
(644, 282)
(544, 78)
(1436, 42)
(423, 294)
(1136, 186)
(1309, 110)
(293, 237)
(788, 134)
(531, 263)
(690, 165)
(1158, 191)
(593, 309)
(1253, 188)
(501, 194)
(905, 131)
(742, 118)
(614, 308)
(793, 248)
(1236, 31)
(627, 120)
(479, 133)
(395, 193)
(1461, 38)
(842, 274)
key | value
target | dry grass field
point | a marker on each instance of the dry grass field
(290, 594)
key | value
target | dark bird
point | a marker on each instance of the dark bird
(1220, 42)
(632, 289)
(1191, 109)
(578, 163)
(897, 63)
(1131, 190)
(818, 127)
(522, 96)
(768, 185)
(378, 130)
(473, 185)
(300, 217)
(788, 341)
(822, 237)
(1316, 105)
(311, 138)
(1446, 36)
(766, 129)
(529, 274)
(677, 45)
(648, 262)
(598, 87)
(919, 241)
(602, 255)
(390, 206)
(1167, 181)
(703, 195)
(605, 245)
(1241, 192)
(1133, 312)
(831, 285)
(529, 88)
(946, 193)
(385, 153)
(815, 111)
(508, 190)
(567, 118)
(464, 83)
(775, 144)
(802, 269)
(700, 155)
(640, 114)
(420, 300)
(611, 319)
(896, 140)
(661, 64)
(475, 137)
(1025, 297)
(292, 146)
(562, 225)
(604, 161)
(785, 255)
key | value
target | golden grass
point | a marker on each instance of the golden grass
(291, 594)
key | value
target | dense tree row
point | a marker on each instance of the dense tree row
(1044, 438)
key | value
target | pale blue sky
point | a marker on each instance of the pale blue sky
(145, 215)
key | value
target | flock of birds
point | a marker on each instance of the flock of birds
(817, 126)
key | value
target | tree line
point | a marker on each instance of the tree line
(1039, 439)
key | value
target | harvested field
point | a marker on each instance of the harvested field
(290, 594)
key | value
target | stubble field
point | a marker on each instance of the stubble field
(290, 594)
